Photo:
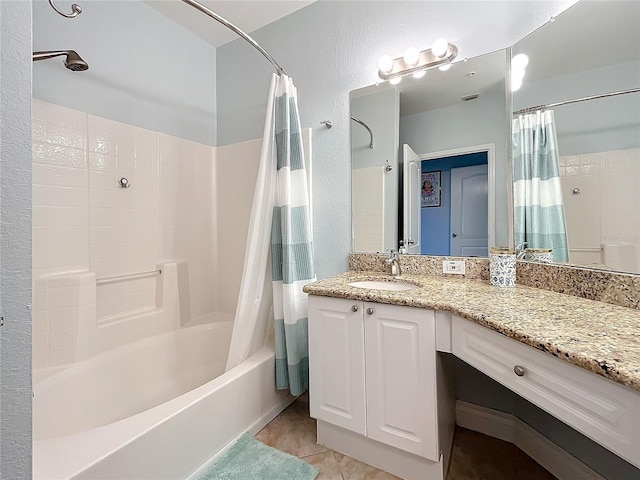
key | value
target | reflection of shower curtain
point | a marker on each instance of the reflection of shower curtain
(291, 247)
(539, 218)
(280, 220)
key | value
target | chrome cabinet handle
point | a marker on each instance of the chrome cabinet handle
(354, 308)
(370, 311)
(454, 235)
(518, 370)
(410, 242)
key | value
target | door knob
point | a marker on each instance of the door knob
(454, 235)
(370, 311)
(354, 308)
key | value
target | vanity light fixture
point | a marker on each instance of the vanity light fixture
(416, 62)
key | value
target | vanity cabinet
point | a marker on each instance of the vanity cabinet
(606, 412)
(372, 371)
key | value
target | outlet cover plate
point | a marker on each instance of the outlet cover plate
(455, 267)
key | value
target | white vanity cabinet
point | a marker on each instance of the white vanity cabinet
(372, 370)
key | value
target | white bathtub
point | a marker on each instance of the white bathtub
(151, 410)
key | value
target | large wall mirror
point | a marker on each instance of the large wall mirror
(591, 49)
(430, 165)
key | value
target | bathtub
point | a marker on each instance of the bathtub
(156, 409)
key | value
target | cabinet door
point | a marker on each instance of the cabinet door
(401, 378)
(336, 362)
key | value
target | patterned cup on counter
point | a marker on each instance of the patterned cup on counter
(502, 267)
(542, 255)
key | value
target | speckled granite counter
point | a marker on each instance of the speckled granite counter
(597, 336)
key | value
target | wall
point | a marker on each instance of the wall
(87, 228)
(593, 126)
(330, 48)
(475, 122)
(375, 190)
(15, 240)
(607, 210)
(144, 69)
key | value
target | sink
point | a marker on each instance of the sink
(394, 286)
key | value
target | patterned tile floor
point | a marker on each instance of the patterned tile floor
(475, 456)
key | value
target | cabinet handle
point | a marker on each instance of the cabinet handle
(370, 311)
(518, 370)
(354, 308)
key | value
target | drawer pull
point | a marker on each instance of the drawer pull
(518, 370)
(354, 308)
(370, 311)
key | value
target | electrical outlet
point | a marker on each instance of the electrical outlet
(453, 266)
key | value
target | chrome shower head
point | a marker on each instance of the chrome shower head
(72, 60)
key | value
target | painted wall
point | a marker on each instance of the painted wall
(330, 48)
(435, 222)
(475, 122)
(597, 125)
(144, 69)
(15, 239)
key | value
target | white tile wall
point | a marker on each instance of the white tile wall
(607, 210)
(368, 209)
(86, 227)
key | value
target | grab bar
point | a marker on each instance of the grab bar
(128, 276)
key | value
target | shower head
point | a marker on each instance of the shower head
(72, 60)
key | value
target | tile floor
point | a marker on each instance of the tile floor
(475, 456)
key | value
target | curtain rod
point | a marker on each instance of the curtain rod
(231, 26)
(365, 126)
(583, 99)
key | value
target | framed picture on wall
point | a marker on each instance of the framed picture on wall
(430, 190)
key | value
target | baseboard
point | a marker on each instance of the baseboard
(511, 429)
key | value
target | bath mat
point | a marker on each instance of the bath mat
(249, 459)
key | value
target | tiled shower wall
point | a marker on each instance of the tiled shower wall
(85, 227)
(607, 209)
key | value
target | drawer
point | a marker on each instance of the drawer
(601, 409)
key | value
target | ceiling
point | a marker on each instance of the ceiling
(246, 15)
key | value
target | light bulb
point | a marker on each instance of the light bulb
(395, 81)
(385, 64)
(419, 74)
(444, 67)
(519, 62)
(411, 56)
(439, 47)
(516, 83)
(518, 73)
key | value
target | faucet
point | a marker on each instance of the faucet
(393, 260)
(520, 250)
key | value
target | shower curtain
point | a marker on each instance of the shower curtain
(279, 221)
(539, 218)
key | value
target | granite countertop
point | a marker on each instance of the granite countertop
(597, 336)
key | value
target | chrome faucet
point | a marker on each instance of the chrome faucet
(393, 260)
(520, 250)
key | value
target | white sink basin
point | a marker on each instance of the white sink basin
(381, 285)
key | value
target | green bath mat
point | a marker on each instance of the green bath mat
(249, 459)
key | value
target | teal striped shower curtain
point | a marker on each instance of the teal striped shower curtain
(291, 245)
(539, 218)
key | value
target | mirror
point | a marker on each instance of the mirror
(591, 49)
(447, 193)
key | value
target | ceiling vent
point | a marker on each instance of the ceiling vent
(473, 96)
